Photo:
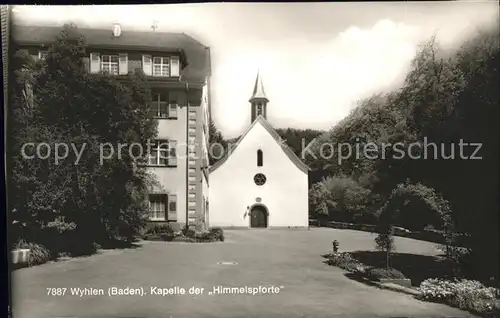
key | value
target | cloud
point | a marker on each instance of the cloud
(316, 84)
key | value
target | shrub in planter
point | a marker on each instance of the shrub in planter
(464, 294)
(377, 274)
(39, 254)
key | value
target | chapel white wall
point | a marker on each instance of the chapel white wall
(232, 188)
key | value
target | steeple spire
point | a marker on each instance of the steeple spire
(258, 100)
(258, 89)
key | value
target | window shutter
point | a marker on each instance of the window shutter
(95, 62)
(174, 66)
(172, 207)
(172, 148)
(123, 64)
(147, 65)
(172, 105)
(172, 110)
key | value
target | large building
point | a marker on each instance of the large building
(178, 69)
(260, 183)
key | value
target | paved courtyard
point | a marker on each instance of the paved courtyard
(286, 259)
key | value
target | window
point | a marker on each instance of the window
(161, 66)
(42, 55)
(259, 109)
(159, 107)
(109, 63)
(259, 179)
(259, 158)
(157, 207)
(192, 114)
(159, 154)
(192, 121)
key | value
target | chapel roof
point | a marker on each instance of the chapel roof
(194, 55)
(290, 154)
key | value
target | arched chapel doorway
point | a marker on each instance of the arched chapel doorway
(258, 216)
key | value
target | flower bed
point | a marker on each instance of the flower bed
(347, 262)
(464, 294)
(189, 235)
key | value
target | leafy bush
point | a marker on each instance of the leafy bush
(45, 193)
(217, 233)
(346, 261)
(464, 294)
(340, 198)
(337, 259)
(189, 232)
(213, 235)
(39, 254)
(375, 273)
(414, 206)
(160, 229)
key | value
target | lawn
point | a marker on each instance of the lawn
(286, 259)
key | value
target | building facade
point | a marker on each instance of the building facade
(260, 183)
(178, 70)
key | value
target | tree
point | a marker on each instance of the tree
(412, 206)
(339, 199)
(90, 200)
(217, 144)
(447, 98)
(297, 139)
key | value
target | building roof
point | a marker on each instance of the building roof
(196, 54)
(290, 154)
(258, 89)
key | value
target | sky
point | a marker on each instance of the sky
(317, 60)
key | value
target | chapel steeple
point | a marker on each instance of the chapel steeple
(259, 100)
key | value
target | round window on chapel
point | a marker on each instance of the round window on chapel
(259, 179)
